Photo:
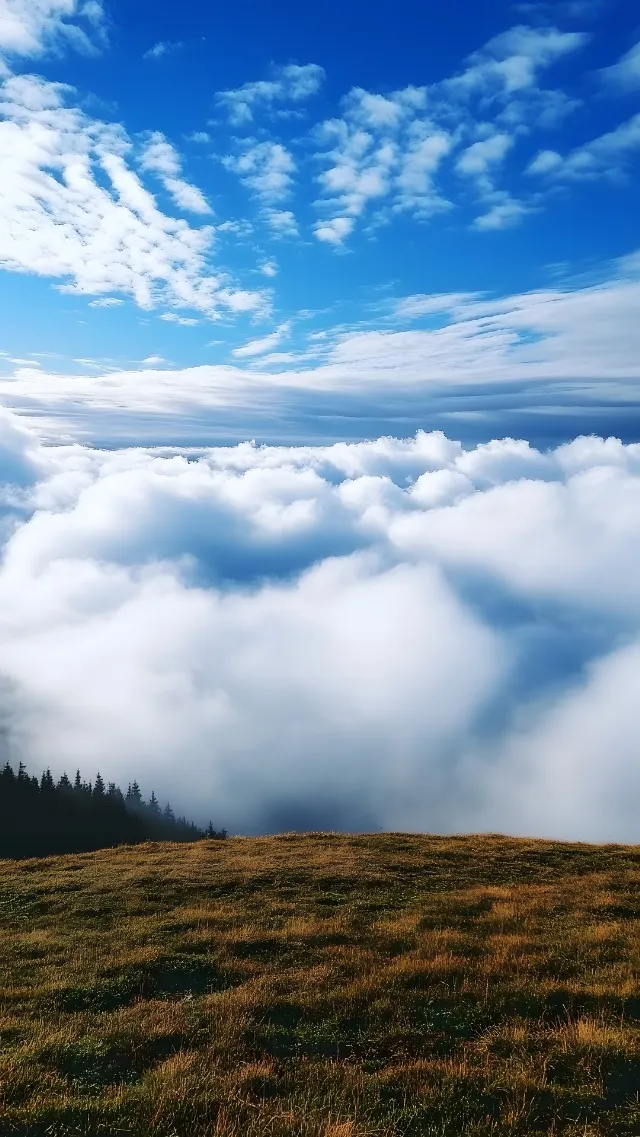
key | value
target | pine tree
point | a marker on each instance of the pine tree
(133, 794)
(46, 782)
(39, 817)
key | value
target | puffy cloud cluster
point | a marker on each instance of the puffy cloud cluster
(265, 167)
(390, 153)
(396, 633)
(293, 83)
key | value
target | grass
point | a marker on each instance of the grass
(322, 986)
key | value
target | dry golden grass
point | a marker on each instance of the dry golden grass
(322, 986)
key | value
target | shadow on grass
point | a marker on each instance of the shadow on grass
(164, 978)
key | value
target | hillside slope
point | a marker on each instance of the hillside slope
(322, 985)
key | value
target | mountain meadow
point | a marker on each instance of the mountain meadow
(322, 985)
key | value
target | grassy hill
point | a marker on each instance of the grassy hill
(324, 986)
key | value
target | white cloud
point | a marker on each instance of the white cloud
(263, 345)
(335, 231)
(290, 84)
(390, 153)
(106, 302)
(606, 156)
(162, 48)
(152, 360)
(282, 222)
(505, 213)
(161, 158)
(245, 300)
(545, 162)
(484, 155)
(71, 208)
(413, 307)
(418, 166)
(398, 633)
(512, 61)
(625, 74)
(265, 167)
(183, 321)
(30, 27)
(269, 268)
(558, 356)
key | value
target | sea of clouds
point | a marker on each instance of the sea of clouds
(397, 634)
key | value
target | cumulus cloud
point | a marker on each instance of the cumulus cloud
(265, 167)
(282, 222)
(334, 231)
(397, 633)
(73, 209)
(289, 84)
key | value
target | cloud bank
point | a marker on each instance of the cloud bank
(403, 634)
(543, 364)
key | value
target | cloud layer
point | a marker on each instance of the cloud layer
(399, 633)
(543, 363)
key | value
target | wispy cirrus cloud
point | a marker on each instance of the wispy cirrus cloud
(106, 302)
(182, 321)
(264, 344)
(163, 48)
(547, 358)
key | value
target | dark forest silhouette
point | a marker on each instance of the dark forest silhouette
(41, 817)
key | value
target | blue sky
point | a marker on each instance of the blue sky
(288, 224)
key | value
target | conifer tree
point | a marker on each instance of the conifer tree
(38, 817)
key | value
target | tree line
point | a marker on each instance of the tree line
(40, 817)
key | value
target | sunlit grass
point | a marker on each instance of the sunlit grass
(326, 986)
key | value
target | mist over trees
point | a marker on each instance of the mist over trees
(41, 817)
